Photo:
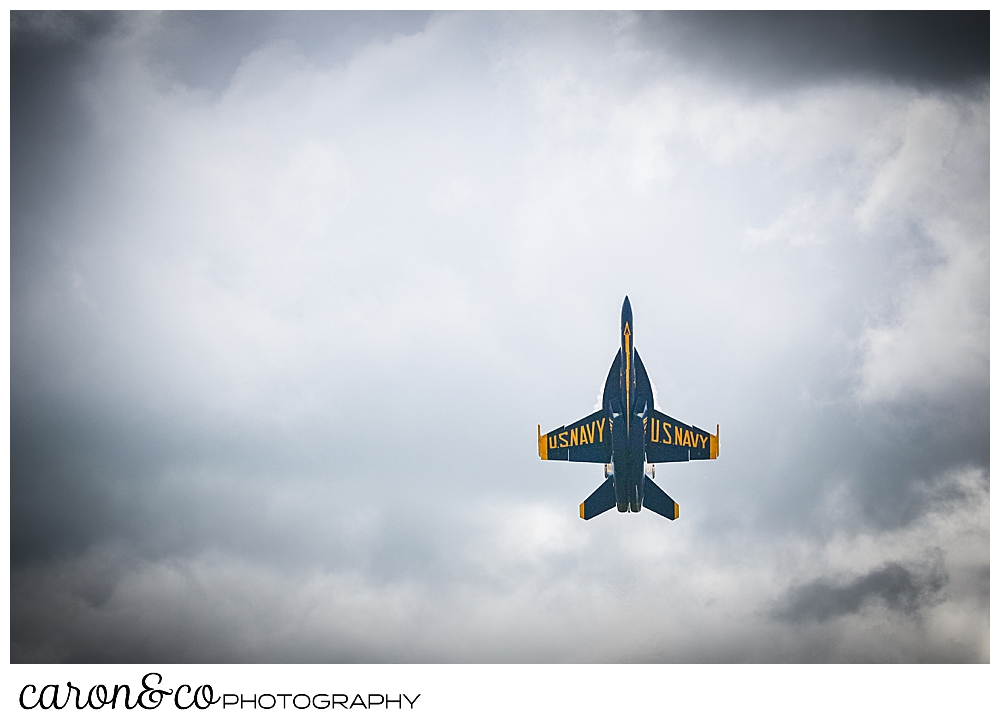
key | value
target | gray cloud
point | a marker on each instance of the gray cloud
(782, 49)
(893, 585)
(289, 294)
(521, 589)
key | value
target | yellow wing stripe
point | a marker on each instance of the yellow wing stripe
(543, 444)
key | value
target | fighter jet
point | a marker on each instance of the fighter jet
(629, 436)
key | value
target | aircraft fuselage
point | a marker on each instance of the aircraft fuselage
(626, 434)
(627, 414)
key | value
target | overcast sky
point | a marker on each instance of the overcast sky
(291, 292)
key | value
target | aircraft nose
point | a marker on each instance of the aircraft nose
(626, 310)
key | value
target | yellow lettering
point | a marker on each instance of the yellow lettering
(666, 434)
(574, 437)
(688, 438)
(654, 433)
(563, 442)
(553, 442)
(600, 427)
(703, 440)
(590, 433)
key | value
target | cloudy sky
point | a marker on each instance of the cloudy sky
(290, 293)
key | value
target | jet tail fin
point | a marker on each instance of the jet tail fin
(600, 500)
(657, 501)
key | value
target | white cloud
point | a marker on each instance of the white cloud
(933, 182)
(528, 589)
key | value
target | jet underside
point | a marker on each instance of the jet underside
(628, 436)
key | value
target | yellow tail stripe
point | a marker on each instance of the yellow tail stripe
(581, 511)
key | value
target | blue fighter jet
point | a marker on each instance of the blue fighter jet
(629, 437)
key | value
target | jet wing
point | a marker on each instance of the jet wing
(587, 441)
(672, 441)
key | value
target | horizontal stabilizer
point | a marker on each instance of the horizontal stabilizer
(600, 500)
(657, 501)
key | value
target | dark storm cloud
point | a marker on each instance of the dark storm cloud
(890, 452)
(50, 29)
(47, 51)
(893, 585)
(206, 48)
(289, 293)
(781, 48)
